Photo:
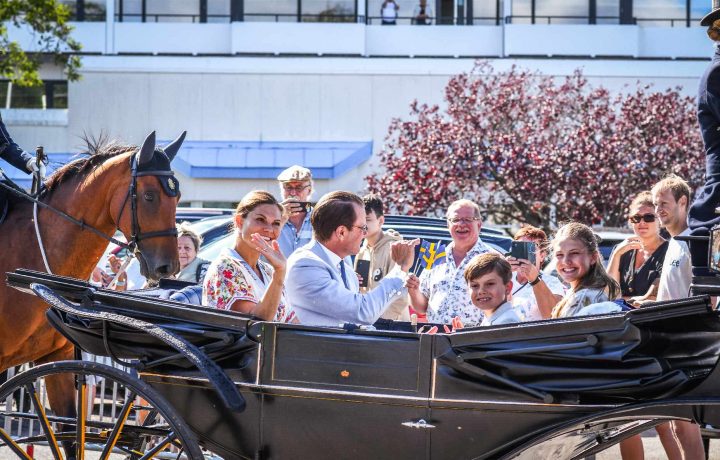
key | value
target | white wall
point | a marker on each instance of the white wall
(302, 99)
(408, 40)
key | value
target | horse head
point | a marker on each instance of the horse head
(147, 216)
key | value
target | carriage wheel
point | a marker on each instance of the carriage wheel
(119, 414)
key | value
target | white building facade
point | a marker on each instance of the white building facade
(259, 93)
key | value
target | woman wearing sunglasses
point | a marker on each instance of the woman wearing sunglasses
(636, 262)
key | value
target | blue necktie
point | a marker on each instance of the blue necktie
(342, 273)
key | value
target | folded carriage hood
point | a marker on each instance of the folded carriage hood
(623, 374)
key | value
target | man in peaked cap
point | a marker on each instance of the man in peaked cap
(702, 216)
(296, 186)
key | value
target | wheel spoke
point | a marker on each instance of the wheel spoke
(81, 417)
(119, 424)
(160, 446)
(141, 425)
(44, 423)
(13, 445)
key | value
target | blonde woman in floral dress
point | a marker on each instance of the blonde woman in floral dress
(237, 279)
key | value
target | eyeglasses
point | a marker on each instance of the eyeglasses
(299, 188)
(645, 217)
(464, 220)
(363, 228)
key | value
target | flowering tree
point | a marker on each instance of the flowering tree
(530, 148)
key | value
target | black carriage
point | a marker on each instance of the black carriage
(242, 388)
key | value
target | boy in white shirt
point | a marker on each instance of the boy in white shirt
(489, 280)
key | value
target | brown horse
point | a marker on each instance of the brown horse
(98, 190)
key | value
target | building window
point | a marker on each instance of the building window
(659, 12)
(608, 11)
(486, 12)
(86, 10)
(172, 10)
(52, 94)
(328, 11)
(218, 10)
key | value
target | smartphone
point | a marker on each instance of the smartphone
(304, 205)
(714, 261)
(362, 268)
(523, 250)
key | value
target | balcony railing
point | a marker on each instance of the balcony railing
(440, 20)
(558, 19)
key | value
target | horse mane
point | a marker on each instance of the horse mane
(97, 151)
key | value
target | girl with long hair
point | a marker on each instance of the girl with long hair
(579, 264)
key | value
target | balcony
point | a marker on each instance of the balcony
(470, 28)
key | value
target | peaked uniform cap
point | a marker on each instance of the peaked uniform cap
(297, 173)
(713, 15)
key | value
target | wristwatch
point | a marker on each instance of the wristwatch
(537, 280)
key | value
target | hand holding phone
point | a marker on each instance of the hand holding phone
(362, 268)
(523, 250)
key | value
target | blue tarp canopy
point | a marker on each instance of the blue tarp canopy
(245, 159)
(265, 160)
(55, 160)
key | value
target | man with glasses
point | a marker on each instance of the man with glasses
(296, 186)
(442, 291)
(321, 285)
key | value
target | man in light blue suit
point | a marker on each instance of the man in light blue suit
(321, 286)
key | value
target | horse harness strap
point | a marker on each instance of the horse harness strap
(169, 187)
(80, 223)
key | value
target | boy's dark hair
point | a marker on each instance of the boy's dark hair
(373, 203)
(487, 263)
(334, 209)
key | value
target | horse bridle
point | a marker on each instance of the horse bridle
(136, 235)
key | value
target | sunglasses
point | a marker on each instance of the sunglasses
(645, 218)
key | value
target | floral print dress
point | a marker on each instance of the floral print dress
(230, 278)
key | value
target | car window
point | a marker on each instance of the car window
(212, 250)
(203, 225)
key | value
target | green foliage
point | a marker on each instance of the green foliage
(48, 21)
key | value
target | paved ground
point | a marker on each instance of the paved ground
(654, 450)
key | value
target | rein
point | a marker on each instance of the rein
(136, 236)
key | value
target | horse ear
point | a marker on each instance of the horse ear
(172, 148)
(147, 150)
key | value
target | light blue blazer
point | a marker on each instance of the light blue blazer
(316, 292)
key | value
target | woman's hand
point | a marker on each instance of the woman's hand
(524, 268)
(271, 252)
(630, 244)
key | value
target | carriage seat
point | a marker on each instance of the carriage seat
(189, 294)
(171, 289)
